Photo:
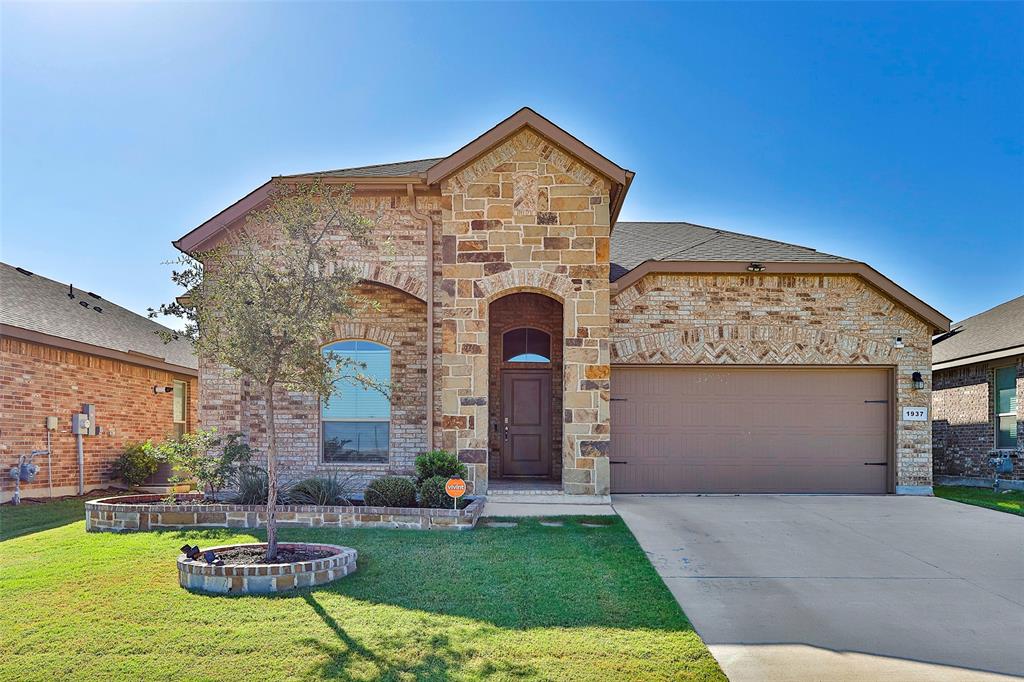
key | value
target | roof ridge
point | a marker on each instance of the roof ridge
(721, 231)
(372, 165)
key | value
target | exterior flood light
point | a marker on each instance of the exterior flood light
(918, 380)
(756, 267)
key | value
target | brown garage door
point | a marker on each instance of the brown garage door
(778, 430)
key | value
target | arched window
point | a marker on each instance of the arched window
(526, 345)
(355, 420)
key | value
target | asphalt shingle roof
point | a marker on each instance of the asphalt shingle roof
(995, 329)
(380, 170)
(634, 243)
(35, 303)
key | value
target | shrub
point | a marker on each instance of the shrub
(212, 462)
(136, 463)
(433, 495)
(438, 463)
(252, 485)
(390, 491)
(322, 491)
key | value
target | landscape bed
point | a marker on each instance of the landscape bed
(332, 562)
(130, 513)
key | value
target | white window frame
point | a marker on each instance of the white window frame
(995, 407)
(391, 408)
(184, 408)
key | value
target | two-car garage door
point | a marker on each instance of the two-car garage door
(771, 430)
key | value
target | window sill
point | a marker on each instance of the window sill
(382, 466)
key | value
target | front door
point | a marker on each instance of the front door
(525, 425)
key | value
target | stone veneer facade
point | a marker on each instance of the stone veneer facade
(526, 216)
(764, 319)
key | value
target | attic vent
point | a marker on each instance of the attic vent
(97, 309)
(96, 296)
(84, 304)
(71, 291)
(27, 273)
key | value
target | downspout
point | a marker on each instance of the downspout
(430, 311)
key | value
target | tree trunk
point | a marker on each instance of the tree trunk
(268, 393)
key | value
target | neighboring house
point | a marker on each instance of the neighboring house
(60, 348)
(978, 395)
(605, 355)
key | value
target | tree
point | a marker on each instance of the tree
(262, 302)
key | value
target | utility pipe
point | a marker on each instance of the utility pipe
(81, 465)
(430, 310)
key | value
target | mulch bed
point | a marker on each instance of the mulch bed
(258, 555)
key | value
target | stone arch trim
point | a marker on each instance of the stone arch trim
(753, 344)
(378, 273)
(533, 280)
(353, 329)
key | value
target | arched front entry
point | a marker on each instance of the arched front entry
(525, 387)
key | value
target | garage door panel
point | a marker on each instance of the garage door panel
(749, 430)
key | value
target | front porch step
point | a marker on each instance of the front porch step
(545, 497)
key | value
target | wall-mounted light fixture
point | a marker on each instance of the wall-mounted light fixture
(756, 267)
(918, 380)
(163, 389)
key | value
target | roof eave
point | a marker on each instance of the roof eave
(974, 359)
(928, 314)
(136, 358)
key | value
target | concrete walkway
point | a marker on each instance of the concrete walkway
(842, 588)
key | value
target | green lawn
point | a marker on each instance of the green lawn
(533, 602)
(1009, 502)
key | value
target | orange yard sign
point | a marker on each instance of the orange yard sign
(455, 487)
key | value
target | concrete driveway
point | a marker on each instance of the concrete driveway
(842, 588)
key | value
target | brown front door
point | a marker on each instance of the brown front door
(525, 425)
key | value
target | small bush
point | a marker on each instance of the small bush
(321, 491)
(433, 495)
(390, 491)
(438, 463)
(252, 485)
(136, 463)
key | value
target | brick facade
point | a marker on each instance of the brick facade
(39, 381)
(761, 319)
(963, 421)
(388, 316)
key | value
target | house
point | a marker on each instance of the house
(978, 396)
(540, 338)
(61, 348)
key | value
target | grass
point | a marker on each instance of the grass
(1009, 502)
(531, 602)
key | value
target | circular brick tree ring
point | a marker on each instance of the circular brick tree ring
(199, 576)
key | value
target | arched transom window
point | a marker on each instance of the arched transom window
(526, 345)
(356, 418)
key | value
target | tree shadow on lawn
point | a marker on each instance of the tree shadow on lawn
(442, 661)
(514, 578)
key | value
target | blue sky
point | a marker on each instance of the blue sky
(889, 133)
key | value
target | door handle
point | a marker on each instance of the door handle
(506, 433)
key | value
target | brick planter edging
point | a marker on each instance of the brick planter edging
(266, 578)
(129, 513)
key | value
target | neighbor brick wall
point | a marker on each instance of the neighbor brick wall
(963, 420)
(764, 319)
(526, 216)
(38, 381)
